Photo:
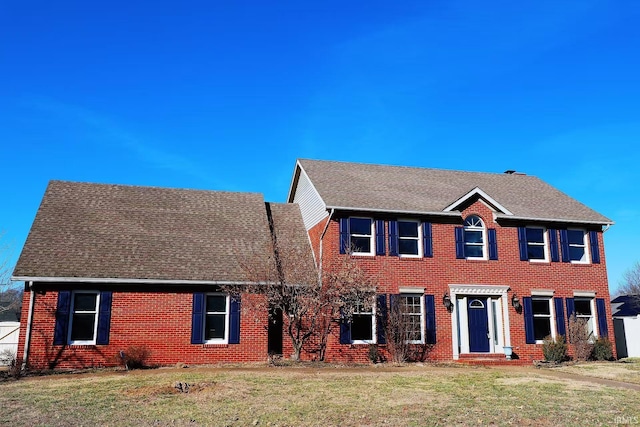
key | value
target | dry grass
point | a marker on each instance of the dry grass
(627, 370)
(362, 396)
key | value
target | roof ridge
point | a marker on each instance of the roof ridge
(421, 168)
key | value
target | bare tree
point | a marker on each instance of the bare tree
(10, 296)
(312, 304)
(630, 283)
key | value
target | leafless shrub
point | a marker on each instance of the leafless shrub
(580, 338)
(134, 357)
(8, 357)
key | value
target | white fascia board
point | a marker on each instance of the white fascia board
(116, 280)
(568, 221)
(296, 172)
(479, 192)
(394, 211)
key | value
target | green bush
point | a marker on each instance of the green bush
(602, 349)
(554, 350)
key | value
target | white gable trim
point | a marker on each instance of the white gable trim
(477, 191)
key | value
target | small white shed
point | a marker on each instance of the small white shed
(626, 325)
(9, 332)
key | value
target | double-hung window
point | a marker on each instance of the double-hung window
(363, 324)
(361, 236)
(412, 308)
(577, 243)
(409, 238)
(542, 318)
(84, 318)
(537, 244)
(474, 238)
(584, 310)
(216, 328)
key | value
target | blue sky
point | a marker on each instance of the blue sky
(226, 95)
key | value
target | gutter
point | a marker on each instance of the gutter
(27, 336)
(326, 227)
(115, 280)
(570, 221)
(395, 211)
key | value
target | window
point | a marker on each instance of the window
(363, 324)
(409, 237)
(412, 313)
(584, 310)
(577, 243)
(361, 236)
(474, 238)
(542, 318)
(84, 318)
(216, 318)
(536, 244)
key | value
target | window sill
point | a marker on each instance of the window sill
(581, 264)
(80, 346)
(215, 345)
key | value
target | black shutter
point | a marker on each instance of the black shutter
(430, 312)
(564, 243)
(522, 244)
(344, 235)
(234, 320)
(528, 320)
(560, 325)
(393, 238)
(553, 244)
(595, 247)
(62, 318)
(381, 319)
(427, 242)
(197, 318)
(104, 317)
(459, 235)
(570, 308)
(380, 249)
(602, 317)
(493, 244)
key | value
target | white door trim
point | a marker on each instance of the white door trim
(459, 317)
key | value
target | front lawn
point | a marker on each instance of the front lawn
(315, 396)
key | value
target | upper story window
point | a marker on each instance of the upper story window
(577, 242)
(84, 318)
(474, 238)
(536, 244)
(358, 234)
(409, 238)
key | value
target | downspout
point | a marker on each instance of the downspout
(606, 227)
(27, 335)
(321, 240)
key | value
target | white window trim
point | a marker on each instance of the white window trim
(372, 237)
(95, 323)
(374, 325)
(420, 249)
(422, 317)
(545, 243)
(593, 316)
(227, 313)
(585, 244)
(551, 316)
(484, 244)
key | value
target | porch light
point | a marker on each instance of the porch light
(515, 302)
(446, 301)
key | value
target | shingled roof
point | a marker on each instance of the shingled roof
(123, 232)
(358, 186)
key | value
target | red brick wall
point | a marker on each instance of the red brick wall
(159, 320)
(437, 273)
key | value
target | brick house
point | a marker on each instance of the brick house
(482, 264)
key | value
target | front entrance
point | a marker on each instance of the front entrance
(478, 325)
(480, 319)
